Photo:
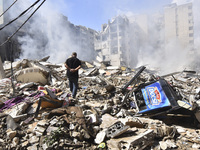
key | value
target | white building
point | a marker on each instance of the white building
(119, 41)
(112, 44)
(179, 24)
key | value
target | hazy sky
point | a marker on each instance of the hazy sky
(93, 13)
(48, 26)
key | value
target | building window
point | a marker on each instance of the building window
(190, 7)
(189, 14)
(113, 28)
(190, 21)
(104, 37)
(114, 43)
(114, 50)
(122, 27)
(121, 33)
(97, 37)
(114, 35)
(121, 21)
(190, 28)
(191, 35)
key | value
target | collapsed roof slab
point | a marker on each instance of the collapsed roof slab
(32, 74)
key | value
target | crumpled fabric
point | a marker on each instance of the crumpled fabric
(11, 102)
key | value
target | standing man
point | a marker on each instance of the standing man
(73, 64)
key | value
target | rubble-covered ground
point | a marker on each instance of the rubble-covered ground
(37, 111)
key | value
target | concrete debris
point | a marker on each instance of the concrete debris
(116, 129)
(2, 72)
(116, 108)
(11, 134)
(32, 75)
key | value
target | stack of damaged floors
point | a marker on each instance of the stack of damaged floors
(115, 108)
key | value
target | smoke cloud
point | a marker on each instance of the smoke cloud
(49, 34)
(171, 56)
(180, 2)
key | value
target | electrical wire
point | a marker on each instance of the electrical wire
(19, 15)
(23, 24)
(8, 8)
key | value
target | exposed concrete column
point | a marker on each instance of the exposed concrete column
(2, 72)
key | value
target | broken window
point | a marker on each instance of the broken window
(190, 28)
(190, 7)
(114, 35)
(121, 33)
(113, 28)
(191, 35)
(114, 43)
(114, 50)
(121, 27)
(121, 21)
(104, 37)
(190, 21)
(189, 14)
(97, 37)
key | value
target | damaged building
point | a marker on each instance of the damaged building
(10, 50)
(121, 40)
(81, 37)
(116, 107)
(113, 42)
(124, 39)
(181, 24)
(84, 40)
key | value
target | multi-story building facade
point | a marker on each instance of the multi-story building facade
(80, 38)
(120, 40)
(179, 24)
(10, 49)
(112, 44)
(123, 39)
(84, 41)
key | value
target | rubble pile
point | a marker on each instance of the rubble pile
(115, 108)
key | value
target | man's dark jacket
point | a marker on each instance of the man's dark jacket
(73, 63)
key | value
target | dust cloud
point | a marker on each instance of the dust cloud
(49, 33)
(171, 56)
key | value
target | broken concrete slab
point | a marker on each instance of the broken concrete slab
(11, 134)
(11, 124)
(116, 129)
(139, 141)
(40, 128)
(107, 121)
(78, 126)
(17, 110)
(32, 75)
